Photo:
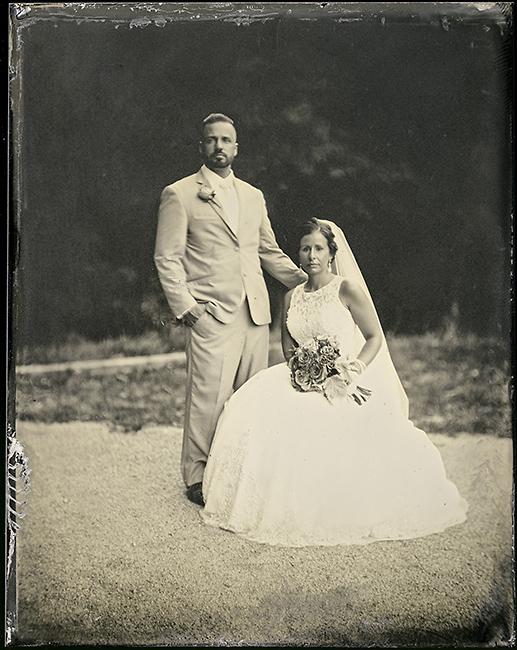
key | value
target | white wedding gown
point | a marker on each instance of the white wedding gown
(292, 469)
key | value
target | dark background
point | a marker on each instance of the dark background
(392, 119)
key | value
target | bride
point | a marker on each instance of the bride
(320, 450)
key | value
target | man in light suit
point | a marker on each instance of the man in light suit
(213, 240)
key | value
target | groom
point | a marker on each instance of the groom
(213, 240)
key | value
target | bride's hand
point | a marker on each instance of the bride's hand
(350, 371)
(359, 394)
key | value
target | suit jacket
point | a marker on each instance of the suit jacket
(200, 259)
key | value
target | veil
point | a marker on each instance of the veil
(345, 265)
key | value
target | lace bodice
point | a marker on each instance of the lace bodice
(322, 312)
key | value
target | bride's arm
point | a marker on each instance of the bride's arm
(287, 340)
(353, 297)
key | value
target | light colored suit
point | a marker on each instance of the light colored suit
(200, 259)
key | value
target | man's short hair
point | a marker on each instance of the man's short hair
(216, 117)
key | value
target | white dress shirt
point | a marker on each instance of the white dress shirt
(226, 194)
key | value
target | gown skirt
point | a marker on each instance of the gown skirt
(293, 469)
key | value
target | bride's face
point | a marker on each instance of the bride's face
(314, 253)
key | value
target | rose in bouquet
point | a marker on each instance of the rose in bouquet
(315, 367)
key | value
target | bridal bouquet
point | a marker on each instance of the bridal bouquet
(314, 368)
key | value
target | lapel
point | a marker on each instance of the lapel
(214, 202)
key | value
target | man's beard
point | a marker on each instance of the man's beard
(214, 161)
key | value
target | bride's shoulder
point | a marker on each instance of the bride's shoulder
(349, 288)
(346, 284)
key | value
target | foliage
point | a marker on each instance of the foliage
(376, 126)
(454, 385)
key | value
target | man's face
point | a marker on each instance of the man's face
(219, 145)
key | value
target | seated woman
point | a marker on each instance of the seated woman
(320, 450)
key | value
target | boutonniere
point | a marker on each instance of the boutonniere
(206, 193)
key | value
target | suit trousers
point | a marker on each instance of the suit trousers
(220, 358)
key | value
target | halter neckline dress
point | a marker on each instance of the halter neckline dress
(292, 469)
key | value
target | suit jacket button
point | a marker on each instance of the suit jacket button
(236, 248)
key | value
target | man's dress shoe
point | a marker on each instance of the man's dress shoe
(195, 494)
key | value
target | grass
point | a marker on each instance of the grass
(75, 348)
(455, 384)
(458, 384)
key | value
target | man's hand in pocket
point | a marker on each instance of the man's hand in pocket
(192, 316)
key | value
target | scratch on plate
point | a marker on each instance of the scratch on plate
(18, 479)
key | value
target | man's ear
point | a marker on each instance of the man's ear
(236, 148)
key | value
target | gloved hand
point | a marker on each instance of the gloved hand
(350, 371)
(359, 394)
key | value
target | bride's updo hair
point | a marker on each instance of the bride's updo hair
(314, 225)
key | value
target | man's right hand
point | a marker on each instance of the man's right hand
(192, 316)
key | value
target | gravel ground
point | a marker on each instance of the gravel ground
(112, 553)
